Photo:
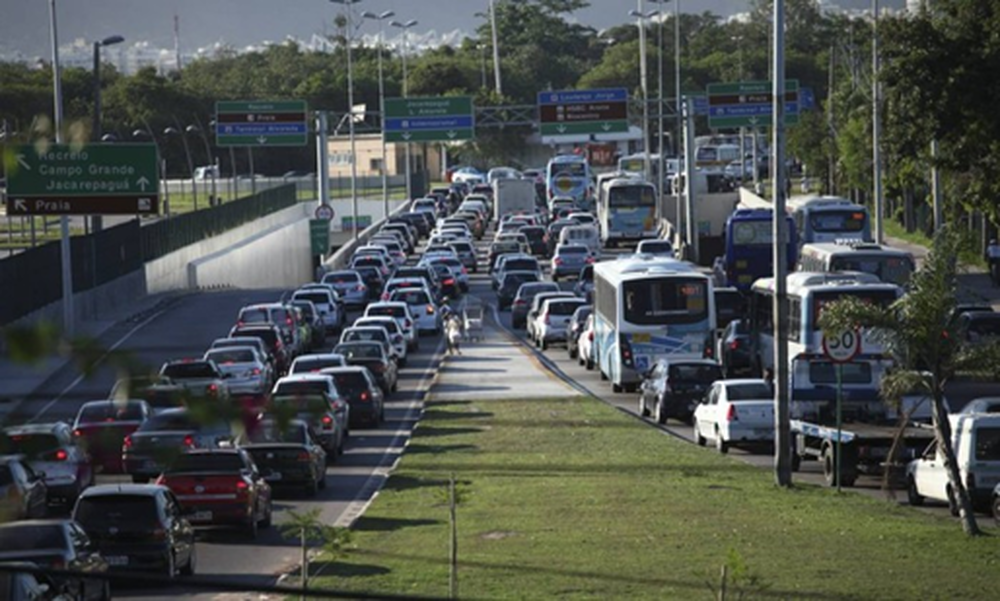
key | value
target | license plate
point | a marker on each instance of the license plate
(201, 516)
(117, 560)
(640, 338)
(273, 477)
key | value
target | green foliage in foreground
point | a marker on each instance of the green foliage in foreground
(571, 498)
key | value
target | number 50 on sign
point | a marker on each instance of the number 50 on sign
(843, 346)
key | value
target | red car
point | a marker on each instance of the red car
(220, 487)
(101, 427)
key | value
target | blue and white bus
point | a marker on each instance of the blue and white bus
(893, 265)
(813, 376)
(748, 254)
(569, 175)
(829, 218)
(627, 211)
(648, 308)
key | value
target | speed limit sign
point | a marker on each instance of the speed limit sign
(842, 347)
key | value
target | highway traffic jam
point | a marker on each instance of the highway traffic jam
(220, 441)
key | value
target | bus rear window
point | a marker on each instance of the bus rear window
(569, 170)
(661, 301)
(838, 221)
(893, 270)
(631, 196)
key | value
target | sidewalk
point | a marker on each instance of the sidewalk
(974, 283)
(493, 368)
(19, 381)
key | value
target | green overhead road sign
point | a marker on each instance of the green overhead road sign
(265, 123)
(428, 119)
(748, 104)
(583, 112)
(104, 179)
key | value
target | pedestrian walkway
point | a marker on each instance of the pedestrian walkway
(496, 367)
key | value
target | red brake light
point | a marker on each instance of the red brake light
(303, 456)
(590, 259)
(213, 389)
(242, 485)
(61, 455)
(430, 309)
(547, 320)
(189, 441)
(364, 395)
(127, 443)
(359, 287)
(731, 414)
(557, 261)
(735, 344)
(520, 301)
(327, 420)
(78, 432)
(255, 371)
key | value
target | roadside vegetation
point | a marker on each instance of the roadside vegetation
(571, 498)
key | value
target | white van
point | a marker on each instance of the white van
(976, 440)
(587, 235)
(207, 172)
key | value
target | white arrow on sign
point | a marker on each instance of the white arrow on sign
(406, 135)
(452, 134)
(142, 182)
(606, 126)
(261, 140)
(561, 128)
(23, 163)
(753, 120)
(20, 206)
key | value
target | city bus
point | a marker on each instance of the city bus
(569, 175)
(892, 265)
(829, 218)
(813, 376)
(749, 253)
(648, 308)
(627, 210)
(715, 157)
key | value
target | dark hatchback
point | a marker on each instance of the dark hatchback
(58, 544)
(674, 388)
(373, 356)
(287, 455)
(362, 392)
(138, 527)
(734, 352)
(538, 239)
(511, 284)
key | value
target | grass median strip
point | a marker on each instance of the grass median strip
(571, 498)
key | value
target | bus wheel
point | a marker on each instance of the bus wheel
(616, 387)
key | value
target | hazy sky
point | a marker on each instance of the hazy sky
(24, 23)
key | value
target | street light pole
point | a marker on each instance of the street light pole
(659, 99)
(381, 17)
(187, 153)
(197, 129)
(96, 224)
(350, 111)
(496, 48)
(641, 18)
(876, 130)
(406, 91)
(69, 314)
(677, 65)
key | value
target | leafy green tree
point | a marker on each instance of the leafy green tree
(919, 331)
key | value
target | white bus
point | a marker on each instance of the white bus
(627, 210)
(829, 218)
(892, 265)
(648, 308)
(813, 376)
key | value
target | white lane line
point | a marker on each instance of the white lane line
(100, 359)
(369, 490)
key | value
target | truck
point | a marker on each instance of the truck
(512, 196)
(867, 430)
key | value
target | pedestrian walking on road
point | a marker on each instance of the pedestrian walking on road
(453, 332)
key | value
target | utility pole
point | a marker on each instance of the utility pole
(69, 314)
(677, 67)
(782, 437)
(381, 17)
(496, 49)
(641, 16)
(406, 50)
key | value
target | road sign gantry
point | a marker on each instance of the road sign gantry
(582, 112)
(429, 119)
(261, 123)
(749, 104)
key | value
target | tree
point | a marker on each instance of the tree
(918, 329)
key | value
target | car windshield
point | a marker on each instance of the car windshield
(390, 325)
(169, 421)
(206, 462)
(572, 250)
(411, 297)
(695, 374)
(360, 351)
(517, 278)
(255, 316)
(317, 298)
(657, 247)
(341, 277)
(563, 307)
(31, 537)
(750, 391)
(194, 369)
(228, 356)
(110, 411)
(365, 334)
(271, 432)
(305, 364)
(100, 512)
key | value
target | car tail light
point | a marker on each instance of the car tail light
(288, 320)
(159, 534)
(626, 351)
(731, 414)
(360, 288)
(734, 345)
(60, 455)
(365, 397)
(385, 296)
(303, 457)
(255, 371)
(213, 390)
(547, 320)
(709, 352)
(239, 324)
(189, 441)
(430, 309)
(521, 302)
(78, 432)
(557, 261)
(327, 420)
(590, 259)
(242, 487)
(127, 443)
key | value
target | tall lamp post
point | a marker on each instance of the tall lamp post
(96, 223)
(405, 26)
(641, 18)
(659, 97)
(195, 129)
(677, 69)
(496, 48)
(65, 254)
(350, 109)
(173, 131)
(381, 17)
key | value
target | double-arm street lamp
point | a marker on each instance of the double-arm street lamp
(381, 17)
(95, 220)
(174, 131)
(641, 18)
(350, 109)
(405, 26)
(213, 164)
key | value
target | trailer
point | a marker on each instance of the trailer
(864, 447)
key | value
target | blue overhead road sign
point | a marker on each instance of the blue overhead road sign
(411, 123)
(582, 96)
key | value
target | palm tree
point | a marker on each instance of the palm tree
(918, 329)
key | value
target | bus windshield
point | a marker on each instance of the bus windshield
(751, 233)
(631, 196)
(837, 221)
(569, 170)
(821, 300)
(894, 270)
(662, 301)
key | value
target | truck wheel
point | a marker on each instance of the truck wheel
(912, 495)
(829, 462)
